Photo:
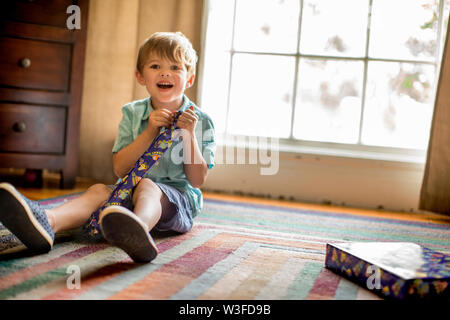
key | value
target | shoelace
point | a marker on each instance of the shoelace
(124, 189)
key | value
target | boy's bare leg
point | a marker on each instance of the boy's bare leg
(130, 230)
(150, 203)
(75, 213)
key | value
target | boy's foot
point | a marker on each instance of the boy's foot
(122, 228)
(26, 219)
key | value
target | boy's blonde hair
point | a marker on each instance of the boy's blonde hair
(170, 45)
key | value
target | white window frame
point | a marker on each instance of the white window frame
(332, 149)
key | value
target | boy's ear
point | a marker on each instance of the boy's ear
(190, 82)
(140, 78)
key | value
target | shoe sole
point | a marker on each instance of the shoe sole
(121, 228)
(18, 218)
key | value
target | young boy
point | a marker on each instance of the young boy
(167, 198)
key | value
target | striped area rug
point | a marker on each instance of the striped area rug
(239, 248)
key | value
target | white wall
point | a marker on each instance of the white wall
(311, 178)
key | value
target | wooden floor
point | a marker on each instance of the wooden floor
(50, 186)
(50, 189)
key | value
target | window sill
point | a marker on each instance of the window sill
(354, 154)
(329, 150)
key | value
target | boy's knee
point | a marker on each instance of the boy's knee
(145, 186)
(100, 189)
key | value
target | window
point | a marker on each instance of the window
(355, 73)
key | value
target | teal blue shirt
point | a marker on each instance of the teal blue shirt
(169, 169)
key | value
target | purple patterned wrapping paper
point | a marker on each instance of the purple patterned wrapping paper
(404, 270)
(124, 188)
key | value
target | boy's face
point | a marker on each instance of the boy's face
(165, 81)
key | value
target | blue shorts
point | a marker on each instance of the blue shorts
(182, 219)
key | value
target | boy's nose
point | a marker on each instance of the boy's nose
(165, 73)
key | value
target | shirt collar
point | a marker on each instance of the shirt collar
(184, 106)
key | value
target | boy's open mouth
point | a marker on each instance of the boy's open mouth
(164, 85)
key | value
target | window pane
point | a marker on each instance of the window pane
(398, 105)
(214, 92)
(261, 95)
(404, 29)
(328, 100)
(444, 24)
(266, 25)
(214, 85)
(330, 27)
(220, 24)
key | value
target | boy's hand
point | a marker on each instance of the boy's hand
(160, 118)
(188, 120)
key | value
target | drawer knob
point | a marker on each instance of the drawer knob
(25, 63)
(19, 126)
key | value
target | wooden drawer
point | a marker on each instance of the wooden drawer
(34, 64)
(44, 12)
(32, 129)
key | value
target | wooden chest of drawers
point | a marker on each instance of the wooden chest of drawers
(41, 72)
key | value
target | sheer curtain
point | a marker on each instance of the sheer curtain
(116, 28)
(435, 193)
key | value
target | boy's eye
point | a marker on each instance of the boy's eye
(174, 67)
(154, 66)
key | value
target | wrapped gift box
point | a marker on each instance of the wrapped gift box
(400, 270)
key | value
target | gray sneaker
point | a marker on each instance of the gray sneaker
(122, 228)
(26, 219)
